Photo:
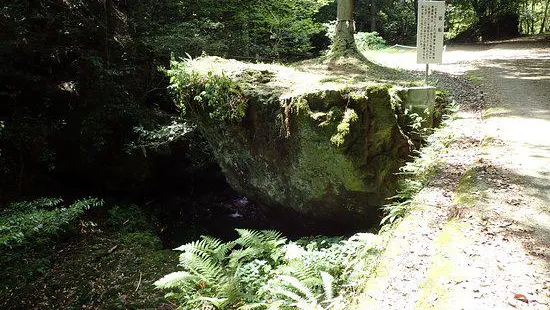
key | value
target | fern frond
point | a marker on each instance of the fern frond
(32, 205)
(305, 305)
(327, 285)
(261, 305)
(294, 283)
(249, 238)
(207, 248)
(87, 203)
(291, 295)
(272, 235)
(195, 246)
(205, 269)
(217, 248)
(212, 243)
(231, 290)
(216, 302)
(305, 273)
(175, 279)
(299, 302)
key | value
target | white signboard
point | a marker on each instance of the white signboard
(429, 35)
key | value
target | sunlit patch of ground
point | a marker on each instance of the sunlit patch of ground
(505, 149)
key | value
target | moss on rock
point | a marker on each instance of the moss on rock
(329, 151)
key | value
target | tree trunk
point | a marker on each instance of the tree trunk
(543, 25)
(533, 14)
(373, 15)
(344, 42)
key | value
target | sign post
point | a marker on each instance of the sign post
(429, 34)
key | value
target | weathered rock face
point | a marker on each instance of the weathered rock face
(420, 100)
(328, 153)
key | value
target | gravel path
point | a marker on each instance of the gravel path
(486, 246)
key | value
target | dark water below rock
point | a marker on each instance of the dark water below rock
(219, 213)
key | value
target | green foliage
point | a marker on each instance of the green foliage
(445, 108)
(243, 29)
(217, 94)
(45, 218)
(363, 40)
(459, 20)
(78, 80)
(262, 270)
(82, 89)
(95, 267)
(396, 21)
(415, 174)
(488, 19)
(369, 41)
(164, 135)
(417, 124)
(534, 16)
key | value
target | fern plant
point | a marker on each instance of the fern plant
(223, 275)
(44, 218)
(300, 295)
(261, 270)
(200, 92)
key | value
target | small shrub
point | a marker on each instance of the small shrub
(363, 40)
(215, 94)
(369, 41)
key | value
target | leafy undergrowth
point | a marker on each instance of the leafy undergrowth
(263, 270)
(104, 264)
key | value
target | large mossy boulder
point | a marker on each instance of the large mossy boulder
(294, 140)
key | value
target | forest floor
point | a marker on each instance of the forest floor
(478, 236)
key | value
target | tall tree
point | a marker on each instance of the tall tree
(496, 18)
(344, 41)
(544, 17)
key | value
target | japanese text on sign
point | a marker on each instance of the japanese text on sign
(429, 41)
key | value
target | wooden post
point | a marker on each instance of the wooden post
(427, 73)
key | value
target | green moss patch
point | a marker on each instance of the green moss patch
(445, 269)
(306, 143)
(470, 188)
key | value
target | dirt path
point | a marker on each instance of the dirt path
(479, 235)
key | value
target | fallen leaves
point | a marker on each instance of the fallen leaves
(521, 297)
